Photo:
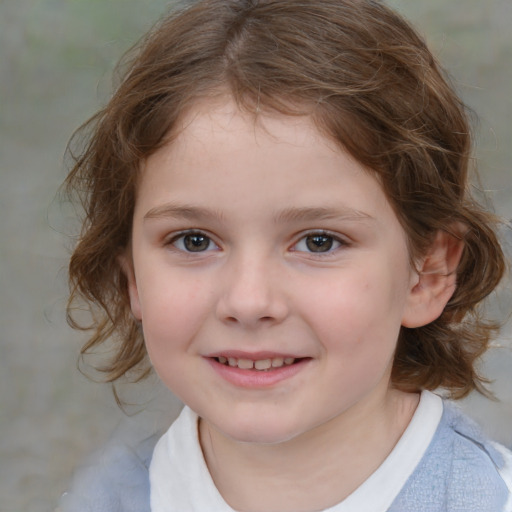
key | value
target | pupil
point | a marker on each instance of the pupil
(319, 243)
(196, 243)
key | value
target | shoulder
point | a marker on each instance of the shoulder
(114, 479)
(481, 465)
(461, 470)
(469, 442)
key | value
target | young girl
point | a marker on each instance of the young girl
(278, 219)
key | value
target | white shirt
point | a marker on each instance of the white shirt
(180, 480)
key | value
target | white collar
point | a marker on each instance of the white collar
(178, 475)
(180, 480)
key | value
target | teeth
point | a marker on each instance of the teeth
(261, 364)
(245, 364)
(264, 364)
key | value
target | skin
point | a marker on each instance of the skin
(253, 195)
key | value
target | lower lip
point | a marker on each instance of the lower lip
(257, 379)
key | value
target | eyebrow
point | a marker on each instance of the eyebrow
(288, 215)
(179, 211)
(305, 214)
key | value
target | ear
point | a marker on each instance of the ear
(436, 280)
(126, 262)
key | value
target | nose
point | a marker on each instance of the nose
(252, 294)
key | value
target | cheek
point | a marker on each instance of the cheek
(172, 311)
(356, 313)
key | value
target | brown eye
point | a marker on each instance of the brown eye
(193, 242)
(196, 243)
(319, 243)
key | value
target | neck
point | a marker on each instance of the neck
(314, 471)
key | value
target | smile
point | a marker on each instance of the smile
(258, 371)
(260, 364)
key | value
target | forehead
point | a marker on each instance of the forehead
(215, 137)
(216, 133)
(214, 118)
(265, 167)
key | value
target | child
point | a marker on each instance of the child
(278, 218)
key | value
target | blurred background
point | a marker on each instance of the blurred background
(56, 58)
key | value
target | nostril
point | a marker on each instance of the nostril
(250, 311)
(264, 319)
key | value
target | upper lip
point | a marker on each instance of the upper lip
(252, 356)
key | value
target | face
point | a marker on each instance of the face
(270, 274)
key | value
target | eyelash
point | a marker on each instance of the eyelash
(335, 242)
(174, 241)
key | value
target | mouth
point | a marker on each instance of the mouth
(262, 370)
(260, 365)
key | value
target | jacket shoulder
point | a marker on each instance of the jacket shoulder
(114, 479)
(461, 471)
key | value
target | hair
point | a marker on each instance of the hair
(367, 80)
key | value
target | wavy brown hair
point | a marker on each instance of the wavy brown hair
(369, 82)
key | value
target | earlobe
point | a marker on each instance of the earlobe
(126, 262)
(436, 280)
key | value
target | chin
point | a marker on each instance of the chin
(259, 432)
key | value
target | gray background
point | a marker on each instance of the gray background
(55, 62)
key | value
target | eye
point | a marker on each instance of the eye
(318, 243)
(193, 242)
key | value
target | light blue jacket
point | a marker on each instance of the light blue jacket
(460, 472)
